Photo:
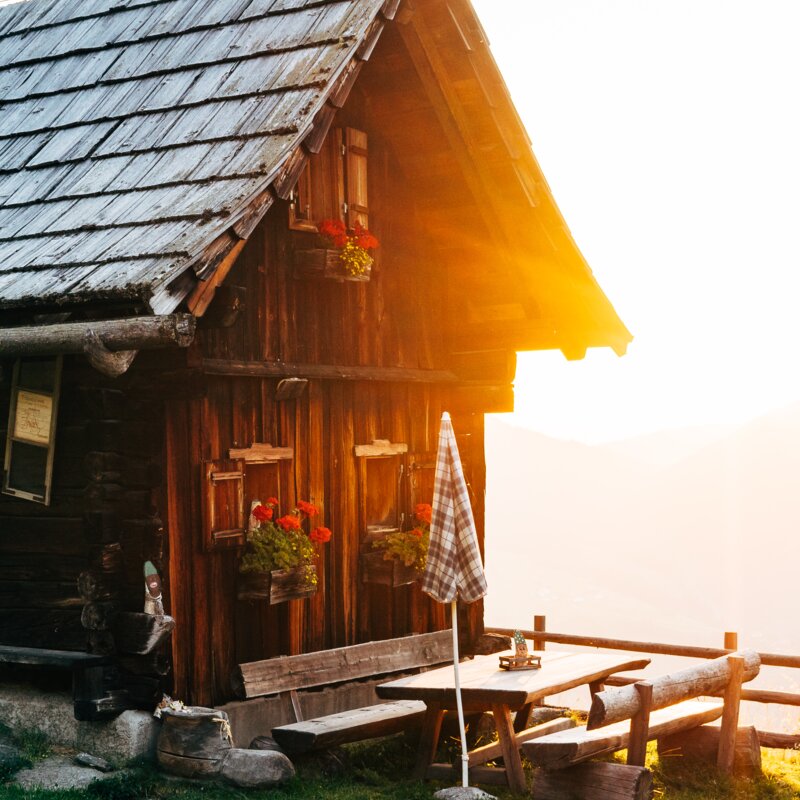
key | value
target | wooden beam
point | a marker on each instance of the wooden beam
(202, 295)
(563, 749)
(132, 333)
(275, 675)
(279, 369)
(595, 781)
(653, 648)
(614, 705)
(261, 453)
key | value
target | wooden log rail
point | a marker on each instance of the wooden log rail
(540, 636)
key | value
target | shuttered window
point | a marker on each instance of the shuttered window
(333, 184)
(30, 439)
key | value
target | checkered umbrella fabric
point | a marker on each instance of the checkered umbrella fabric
(454, 569)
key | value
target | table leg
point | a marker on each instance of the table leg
(523, 717)
(508, 742)
(428, 739)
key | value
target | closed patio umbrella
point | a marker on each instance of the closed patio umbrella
(454, 569)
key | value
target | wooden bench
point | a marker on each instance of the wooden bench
(87, 674)
(630, 716)
(288, 674)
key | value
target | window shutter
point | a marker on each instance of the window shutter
(223, 504)
(355, 177)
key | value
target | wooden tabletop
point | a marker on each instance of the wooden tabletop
(484, 683)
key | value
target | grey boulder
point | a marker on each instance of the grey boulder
(256, 769)
(463, 793)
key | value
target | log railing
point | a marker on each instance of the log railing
(540, 636)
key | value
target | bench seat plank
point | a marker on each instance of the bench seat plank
(10, 654)
(350, 726)
(562, 749)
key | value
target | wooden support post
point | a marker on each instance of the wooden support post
(640, 725)
(731, 640)
(595, 687)
(428, 739)
(539, 625)
(522, 718)
(508, 743)
(730, 715)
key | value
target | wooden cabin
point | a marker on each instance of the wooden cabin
(176, 343)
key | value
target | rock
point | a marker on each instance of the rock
(256, 769)
(11, 761)
(130, 735)
(9, 755)
(463, 793)
(95, 762)
(57, 772)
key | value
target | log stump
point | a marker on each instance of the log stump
(194, 741)
(702, 744)
(596, 780)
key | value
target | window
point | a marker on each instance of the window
(28, 464)
(333, 184)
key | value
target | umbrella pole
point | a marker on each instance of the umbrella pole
(459, 706)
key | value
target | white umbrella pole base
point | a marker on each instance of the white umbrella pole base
(463, 793)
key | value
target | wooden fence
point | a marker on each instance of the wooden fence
(783, 741)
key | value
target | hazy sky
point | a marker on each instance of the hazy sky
(669, 132)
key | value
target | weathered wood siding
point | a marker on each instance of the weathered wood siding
(101, 525)
(397, 319)
(214, 630)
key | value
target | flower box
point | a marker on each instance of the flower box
(388, 572)
(277, 586)
(319, 262)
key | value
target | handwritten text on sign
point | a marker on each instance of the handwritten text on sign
(34, 413)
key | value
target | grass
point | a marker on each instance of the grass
(374, 771)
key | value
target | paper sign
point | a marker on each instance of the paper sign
(34, 413)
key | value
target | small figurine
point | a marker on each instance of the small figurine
(153, 603)
(520, 645)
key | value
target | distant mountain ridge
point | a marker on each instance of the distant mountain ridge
(650, 538)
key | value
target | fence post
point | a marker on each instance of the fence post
(539, 625)
(730, 715)
(731, 640)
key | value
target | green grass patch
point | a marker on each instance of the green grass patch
(380, 770)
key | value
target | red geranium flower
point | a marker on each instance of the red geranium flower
(272, 501)
(416, 532)
(364, 238)
(423, 512)
(262, 513)
(334, 230)
(289, 523)
(320, 535)
(307, 508)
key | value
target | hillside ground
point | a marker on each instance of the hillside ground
(374, 770)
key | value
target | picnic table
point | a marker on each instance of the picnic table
(485, 687)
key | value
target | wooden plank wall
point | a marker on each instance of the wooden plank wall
(398, 319)
(215, 631)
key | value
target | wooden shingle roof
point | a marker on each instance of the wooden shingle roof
(139, 139)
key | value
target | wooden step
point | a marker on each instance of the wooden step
(350, 726)
(562, 749)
